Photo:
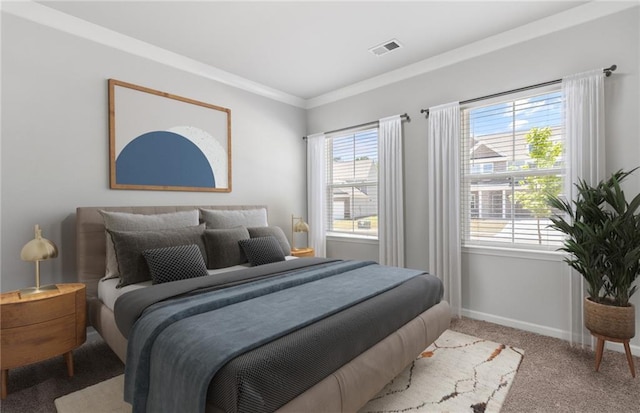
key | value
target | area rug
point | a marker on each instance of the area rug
(104, 397)
(458, 373)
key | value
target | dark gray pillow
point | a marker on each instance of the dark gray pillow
(262, 250)
(175, 263)
(222, 247)
(129, 245)
(275, 232)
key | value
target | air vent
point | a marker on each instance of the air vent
(385, 48)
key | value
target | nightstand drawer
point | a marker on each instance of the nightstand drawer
(36, 327)
(36, 342)
(16, 314)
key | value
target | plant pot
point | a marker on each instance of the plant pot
(610, 320)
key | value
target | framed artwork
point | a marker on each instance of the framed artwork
(160, 141)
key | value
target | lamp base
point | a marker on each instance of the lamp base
(35, 290)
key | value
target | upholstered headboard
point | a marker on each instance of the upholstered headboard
(91, 242)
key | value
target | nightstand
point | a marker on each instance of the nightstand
(41, 326)
(303, 252)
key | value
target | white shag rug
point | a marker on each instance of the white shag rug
(457, 373)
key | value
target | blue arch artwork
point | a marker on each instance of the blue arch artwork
(164, 159)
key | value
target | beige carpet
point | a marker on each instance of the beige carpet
(457, 373)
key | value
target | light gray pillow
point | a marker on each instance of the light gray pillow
(275, 232)
(231, 218)
(130, 245)
(222, 247)
(124, 221)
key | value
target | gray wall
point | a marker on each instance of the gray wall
(526, 290)
(55, 143)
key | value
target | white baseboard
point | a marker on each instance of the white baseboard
(540, 329)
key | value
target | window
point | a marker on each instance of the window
(512, 155)
(481, 168)
(352, 183)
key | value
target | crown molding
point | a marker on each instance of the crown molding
(578, 15)
(38, 13)
(55, 19)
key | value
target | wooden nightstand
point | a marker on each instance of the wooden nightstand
(303, 252)
(40, 326)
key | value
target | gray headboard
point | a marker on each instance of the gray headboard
(90, 238)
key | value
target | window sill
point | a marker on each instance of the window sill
(530, 254)
(358, 239)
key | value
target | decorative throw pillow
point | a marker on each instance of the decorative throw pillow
(275, 232)
(129, 246)
(231, 218)
(175, 263)
(124, 221)
(262, 250)
(222, 247)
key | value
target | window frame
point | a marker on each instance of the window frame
(330, 186)
(468, 196)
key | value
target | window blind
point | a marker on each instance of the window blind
(352, 183)
(512, 156)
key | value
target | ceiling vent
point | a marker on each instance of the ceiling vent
(385, 47)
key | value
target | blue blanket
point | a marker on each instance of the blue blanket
(176, 347)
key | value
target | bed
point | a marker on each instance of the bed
(346, 387)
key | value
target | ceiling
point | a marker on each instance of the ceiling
(309, 49)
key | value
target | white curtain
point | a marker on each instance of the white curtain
(584, 130)
(316, 193)
(443, 169)
(390, 192)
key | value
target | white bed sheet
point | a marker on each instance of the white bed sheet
(108, 293)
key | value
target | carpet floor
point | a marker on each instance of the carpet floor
(33, 388)
(553, 376)
(556, 377)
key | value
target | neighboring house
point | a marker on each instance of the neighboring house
(355, 191)
(492, 158)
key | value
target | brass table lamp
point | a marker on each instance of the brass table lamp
(36, 250)
(297, 226)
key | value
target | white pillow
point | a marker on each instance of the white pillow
(123, 221)
(231, 218)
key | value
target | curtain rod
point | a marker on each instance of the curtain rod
(404, 116)
(607, 72)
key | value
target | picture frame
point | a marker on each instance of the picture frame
(160, 141)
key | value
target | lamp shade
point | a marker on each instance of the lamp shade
(38, 249)
(297, 225)
(301, 226)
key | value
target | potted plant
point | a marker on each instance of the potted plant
(603, 243)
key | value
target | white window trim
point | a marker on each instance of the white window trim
(513, 252)
(352, 238)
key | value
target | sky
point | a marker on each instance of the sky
(524, 114)
(366, 145)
